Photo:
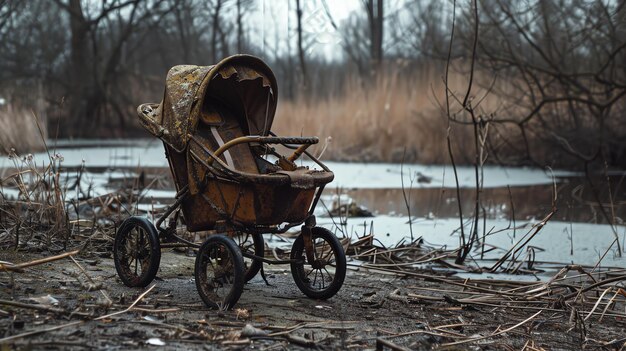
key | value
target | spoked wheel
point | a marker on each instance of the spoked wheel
(251, 243)
(322, 279)
(219, 272)
(137, 252)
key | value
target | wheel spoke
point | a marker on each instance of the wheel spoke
(329, 254)
(308, 274)
(137, 254)
(322, 279)
(329, 275)
(210, 258)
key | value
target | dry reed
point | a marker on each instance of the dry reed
(376, 119)
(46, 207)
(19, 131)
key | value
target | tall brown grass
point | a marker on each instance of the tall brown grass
(39, 209)
(19, 130)
(396, 115)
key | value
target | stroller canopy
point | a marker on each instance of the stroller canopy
(243, 83)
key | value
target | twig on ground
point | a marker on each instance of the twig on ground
(20, 266)
(43, 308)
(493, 334)
(102, 291)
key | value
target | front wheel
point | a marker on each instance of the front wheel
(137, 252)
(219, 272)
(323, 278)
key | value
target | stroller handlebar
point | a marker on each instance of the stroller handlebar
(305, 142)
(289, 140)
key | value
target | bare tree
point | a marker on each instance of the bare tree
(568, 88)
(376, 21)
(188, 34)
(98, 48)
(301, 45)
(363, 38)
(564, 88)
(240, 38)
(424, 34)
(95, 60)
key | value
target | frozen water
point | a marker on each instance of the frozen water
(587, 242)
(150, 153)
(554, 243)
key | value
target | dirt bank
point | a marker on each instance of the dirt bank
(408, 312)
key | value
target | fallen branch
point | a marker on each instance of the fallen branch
(19, 267)
(42, 308)
(595, 285)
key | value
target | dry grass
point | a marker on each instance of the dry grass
(49, 207)
(377, 121)
(39, 209)
(19, 131)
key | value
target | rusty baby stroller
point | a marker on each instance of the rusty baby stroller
(232, 181)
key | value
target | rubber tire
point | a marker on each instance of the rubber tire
(155, 251)
(297, 270)
(259, 250)
(238, 282)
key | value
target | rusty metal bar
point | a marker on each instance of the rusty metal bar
(307, 238)
(173, 245)
(318, 194)
(241, 177)
(181, 240)
(270, 261)
(313, 158)
(265, 140)
(172, 208)
(296, 154)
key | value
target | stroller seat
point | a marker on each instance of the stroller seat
(218, 125)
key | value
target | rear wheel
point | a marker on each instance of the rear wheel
(323, 278)
(219, 272)
(250, 243)
(137, 252)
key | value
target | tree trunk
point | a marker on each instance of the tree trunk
(214, 36)
(79, 72)
(375, 18)
(182, 21)
(239, 28)
(300, 46)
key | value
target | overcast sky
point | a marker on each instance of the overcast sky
(272, 22)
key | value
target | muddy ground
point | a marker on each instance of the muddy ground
(277, 316)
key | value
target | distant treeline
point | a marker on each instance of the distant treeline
(551, 74)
